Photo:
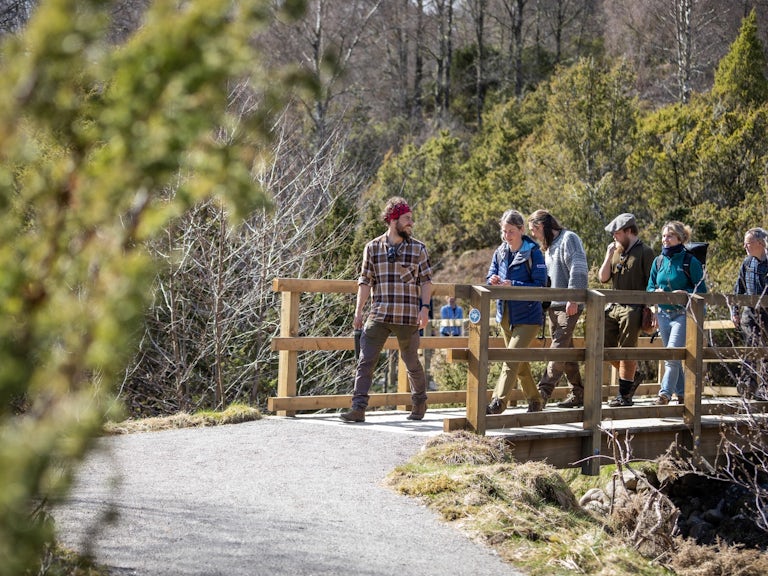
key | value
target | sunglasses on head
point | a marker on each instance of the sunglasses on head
(622, 262)
(391, 254)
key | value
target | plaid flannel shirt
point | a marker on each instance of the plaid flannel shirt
(752, 280)
(395, 286)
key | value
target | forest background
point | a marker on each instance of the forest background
(585, 108)
(162, 163)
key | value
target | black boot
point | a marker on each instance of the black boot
(625, 394)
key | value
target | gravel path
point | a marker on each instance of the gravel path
(293, 496)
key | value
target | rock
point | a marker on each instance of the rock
(630, 478)
(701, 531)
(714, 515)
(597, 507)
(593, 495)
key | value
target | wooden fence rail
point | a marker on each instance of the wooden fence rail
(584, 439)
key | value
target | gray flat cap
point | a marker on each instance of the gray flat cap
(620, 222)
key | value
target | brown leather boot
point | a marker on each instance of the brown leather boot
(418, 411)
(535, 406)
(354, 415)
(495, 407)
(573, 401)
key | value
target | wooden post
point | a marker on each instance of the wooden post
(694, 368)
(288, 359)
(390, 380)
(594, 331)
(477, 373)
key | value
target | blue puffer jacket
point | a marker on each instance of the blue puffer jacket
(526, 268)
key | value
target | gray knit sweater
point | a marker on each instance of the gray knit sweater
(567, 264)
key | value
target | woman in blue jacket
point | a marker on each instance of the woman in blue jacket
(517, 262)
(676, 270)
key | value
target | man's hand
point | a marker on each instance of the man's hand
(423, 317)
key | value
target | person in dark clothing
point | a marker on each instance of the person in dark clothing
(627, 265)
(753, 321)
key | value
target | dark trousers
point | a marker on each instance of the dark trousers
(372, 342)
(754, 328)
(562, 326)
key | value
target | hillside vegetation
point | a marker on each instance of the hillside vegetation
(156, 179)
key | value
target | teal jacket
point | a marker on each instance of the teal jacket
(668, 274)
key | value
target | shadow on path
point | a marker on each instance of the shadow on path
(292, 496)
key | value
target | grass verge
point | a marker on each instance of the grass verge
(529, 513)
(233, 414)
(61, 562)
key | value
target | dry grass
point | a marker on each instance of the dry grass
(529, 513)
(692, 560)
(58, 561)
(233, 414)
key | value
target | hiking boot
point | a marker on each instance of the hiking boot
(573, 401)
(621, 401)
(354, 415)
(662, 400)
(417, 412)
(495, 407)
(681, 399)
(535, 406)
(638, 379)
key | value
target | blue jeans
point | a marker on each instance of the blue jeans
(672, 330)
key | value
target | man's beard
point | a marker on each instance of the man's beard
(404, 234)
(624, 243)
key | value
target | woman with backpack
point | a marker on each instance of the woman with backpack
(675, 270)
(517, 262)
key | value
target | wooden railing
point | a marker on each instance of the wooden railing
(479, 349)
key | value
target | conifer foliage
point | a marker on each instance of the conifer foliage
(99, 149)
(740, 77)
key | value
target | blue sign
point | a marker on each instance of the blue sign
(474, 315)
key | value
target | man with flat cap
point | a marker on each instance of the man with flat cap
(627, 265)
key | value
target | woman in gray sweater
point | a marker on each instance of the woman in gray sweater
(567, 268)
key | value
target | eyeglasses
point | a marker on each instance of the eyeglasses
(391, 254)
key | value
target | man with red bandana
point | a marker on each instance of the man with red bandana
(397, 274)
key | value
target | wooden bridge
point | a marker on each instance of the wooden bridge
(562, 437)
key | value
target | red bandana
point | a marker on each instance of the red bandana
(396, 211)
